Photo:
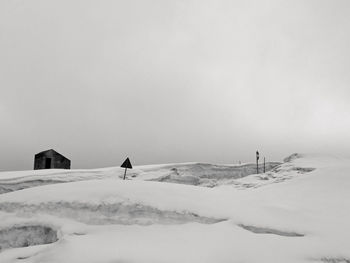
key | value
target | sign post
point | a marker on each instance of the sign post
(126, 164)
(257, 162)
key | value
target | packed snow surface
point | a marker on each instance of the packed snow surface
(298, 211)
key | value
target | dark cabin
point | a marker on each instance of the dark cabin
(50, 159)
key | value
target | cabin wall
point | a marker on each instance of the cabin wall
(57, 161)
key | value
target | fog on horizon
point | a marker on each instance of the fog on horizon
(173, 81)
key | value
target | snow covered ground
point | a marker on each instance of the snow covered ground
(298, 211)
(200, 174)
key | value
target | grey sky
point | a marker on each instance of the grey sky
(172, 81)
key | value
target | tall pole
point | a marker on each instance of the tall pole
(264, 164)
(257, 162)
(125, 173)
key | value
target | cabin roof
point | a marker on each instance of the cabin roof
(40, 154)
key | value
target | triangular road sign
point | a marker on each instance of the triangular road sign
(127, 164)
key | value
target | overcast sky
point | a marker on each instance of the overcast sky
(173, 81)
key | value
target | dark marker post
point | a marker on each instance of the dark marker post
(257, 162)
(126, 164)
(264, 164)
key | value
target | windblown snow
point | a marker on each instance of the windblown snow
(298, 211)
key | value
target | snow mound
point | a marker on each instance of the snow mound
(292, 157)
(28, 235)
(209, 175)
(14, 181)
(103, 214)
(335, 260)
(292, 167)
(6, 187)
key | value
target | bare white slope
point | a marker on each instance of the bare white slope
(304, 218)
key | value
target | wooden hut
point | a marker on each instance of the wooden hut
(50, 159)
